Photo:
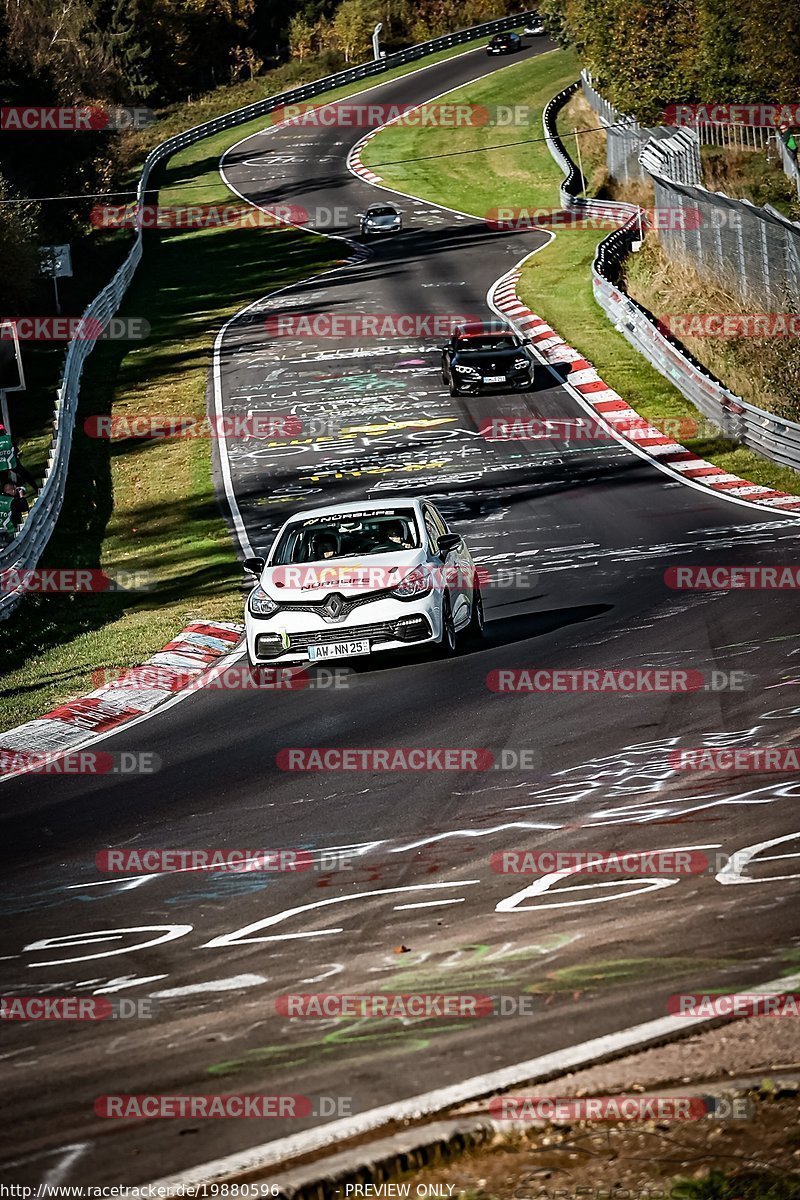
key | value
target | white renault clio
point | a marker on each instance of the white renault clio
(360, 578)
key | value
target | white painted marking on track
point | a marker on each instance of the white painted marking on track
(127, 981)
(539, 886)
(233, 983)
(335, 969)
(281, 1151)
(469, 833)
(239, 936)
(733, 871)
(70, 1155)
(168, 933)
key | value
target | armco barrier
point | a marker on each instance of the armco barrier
(23, 553)
(625, 137)
(738, 420)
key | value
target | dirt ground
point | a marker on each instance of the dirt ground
(752, 1157)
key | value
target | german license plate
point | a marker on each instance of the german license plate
(339, 650)
(494, 379)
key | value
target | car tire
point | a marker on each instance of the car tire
(477, 619)
(448, 645)
(445, 379)
(453, 386)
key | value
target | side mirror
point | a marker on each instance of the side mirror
(254, 565)
(448, 542)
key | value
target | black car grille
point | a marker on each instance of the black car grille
(383, 632)
(349, 603)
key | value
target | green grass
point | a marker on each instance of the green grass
(521, 173)
(556, 282)
(149, 506)
(741, 1185)
(748, 174)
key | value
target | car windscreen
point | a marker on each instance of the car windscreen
(382, 212)
(497, 341)
(347, 535)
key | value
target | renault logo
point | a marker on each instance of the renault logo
(333, 606)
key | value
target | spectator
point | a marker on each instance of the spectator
(13, 479)
(789, 139)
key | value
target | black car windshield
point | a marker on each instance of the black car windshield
(385, 211)
(487, 341)
(347, 535)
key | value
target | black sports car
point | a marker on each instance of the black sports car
(504, 43)
(483, 355)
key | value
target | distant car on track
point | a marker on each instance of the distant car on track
(535, 28)
(358, 579)
(381, 218)
(484, 355)
(504, 43)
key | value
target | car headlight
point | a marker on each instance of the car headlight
(260, 604)
(521, 363)
(416, 583)
(466, 370)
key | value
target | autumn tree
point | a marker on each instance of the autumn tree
(353, 24)
(301, 37)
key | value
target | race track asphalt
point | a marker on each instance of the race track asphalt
(402, 897)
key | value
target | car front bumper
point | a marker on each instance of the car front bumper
(514, 383)
(387, 624)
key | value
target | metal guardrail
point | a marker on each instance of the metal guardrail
(23, 553)
(625, 137)
(741, 422)
(677, 157)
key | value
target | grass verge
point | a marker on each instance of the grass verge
(556, 282)
(148, 507)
